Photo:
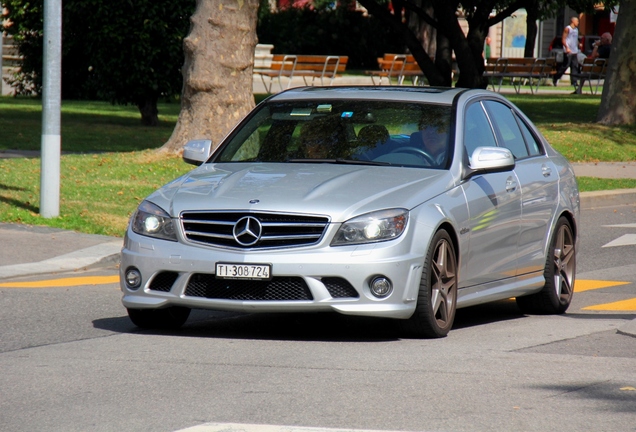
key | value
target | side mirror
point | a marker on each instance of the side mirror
(490, 159)
(196, 152)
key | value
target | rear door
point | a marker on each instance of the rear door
(538, 182)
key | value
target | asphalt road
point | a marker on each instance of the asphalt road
(72, 361)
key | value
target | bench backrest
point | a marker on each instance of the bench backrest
(594, 66)
(315, 63)
(398, 63)
(284, 62)
(520, 65)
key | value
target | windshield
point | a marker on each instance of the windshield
(364, 132)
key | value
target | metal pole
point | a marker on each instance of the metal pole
(51, 107)
(1, 61)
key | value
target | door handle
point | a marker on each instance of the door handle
(511, 184)
(546, 171)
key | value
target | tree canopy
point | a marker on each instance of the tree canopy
(123, 52)
(443, 16)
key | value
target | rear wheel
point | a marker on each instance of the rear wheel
(437, 298)
(167, 318)
(560, 268)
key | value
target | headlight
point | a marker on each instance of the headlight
(152, 221)
(372, 227)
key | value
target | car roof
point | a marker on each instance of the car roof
(438, 95)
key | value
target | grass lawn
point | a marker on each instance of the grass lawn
(568, 123)
(109, 164)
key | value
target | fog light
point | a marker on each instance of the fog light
(133, 278)
(381, 286)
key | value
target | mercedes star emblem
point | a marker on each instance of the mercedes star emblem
(247, 231)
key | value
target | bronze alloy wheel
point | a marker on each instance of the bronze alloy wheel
(560, 268)
(437, 299)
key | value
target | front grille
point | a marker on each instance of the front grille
(163, 281)
(339, 288)
(279, 288)
(276, 230)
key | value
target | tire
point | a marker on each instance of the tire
(437, 298)
(559, 272)
(168, 318)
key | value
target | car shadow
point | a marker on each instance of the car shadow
(319, 327)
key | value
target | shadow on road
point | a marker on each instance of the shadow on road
(323, 327)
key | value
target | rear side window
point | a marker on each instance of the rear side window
(507, 128)
(533, 146)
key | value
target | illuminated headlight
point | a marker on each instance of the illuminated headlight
(152, 221)
(372, 227)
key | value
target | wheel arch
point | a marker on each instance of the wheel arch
(448, 227)
(572, 221)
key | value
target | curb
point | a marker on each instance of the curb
(104, 253)
(590, 200)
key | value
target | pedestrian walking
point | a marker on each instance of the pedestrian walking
(571, 46)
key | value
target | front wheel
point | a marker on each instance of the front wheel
(559, 272)
(437, 298)
(167, 318)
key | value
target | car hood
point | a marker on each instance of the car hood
(338, 191)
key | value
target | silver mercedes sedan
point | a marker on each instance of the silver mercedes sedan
(395, 202)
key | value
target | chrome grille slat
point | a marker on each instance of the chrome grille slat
(212, 222)
(222, 236)
(279, 230)
(291, 237)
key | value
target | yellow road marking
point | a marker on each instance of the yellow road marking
(65, 282)
(586, 285)
(624, 305)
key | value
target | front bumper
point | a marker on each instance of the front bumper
(170, 270)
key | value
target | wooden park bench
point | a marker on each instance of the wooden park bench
(312, 68)
(591, 70)
(520, 71)
(398, 67)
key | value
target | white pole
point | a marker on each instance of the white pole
(51, 107)
(1, 61)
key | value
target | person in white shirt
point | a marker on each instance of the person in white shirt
(571, 46)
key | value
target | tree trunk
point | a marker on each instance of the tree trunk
(444, 58)
(468, 48)
(149, 112)
(217, 73)
(531, 32)
(618, 103)
(433, 75)
(424, 32)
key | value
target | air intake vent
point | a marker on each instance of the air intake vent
(279, 288)
(339, 288)
(163, 281)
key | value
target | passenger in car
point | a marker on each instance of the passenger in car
(374, 141)
(322, 138)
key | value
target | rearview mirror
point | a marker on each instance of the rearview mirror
(196, 152)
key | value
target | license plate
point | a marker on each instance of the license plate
(243, 271)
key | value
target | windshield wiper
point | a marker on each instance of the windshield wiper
(340, 161)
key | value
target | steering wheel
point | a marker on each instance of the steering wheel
(418, 152)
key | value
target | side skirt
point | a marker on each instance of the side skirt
(500, 290)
